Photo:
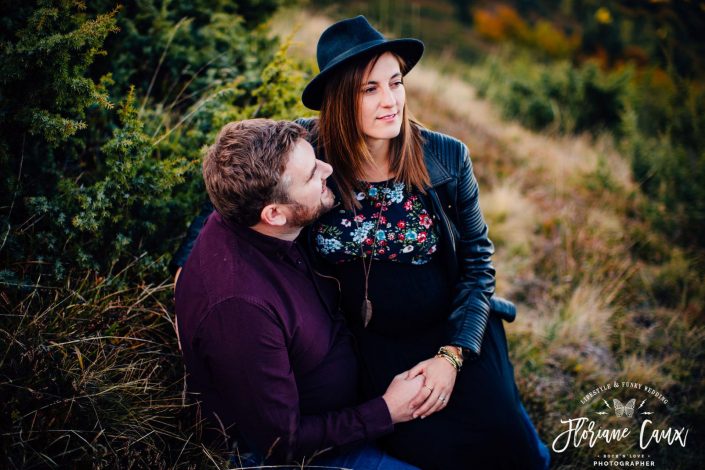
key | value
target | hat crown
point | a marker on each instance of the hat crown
(342, 37)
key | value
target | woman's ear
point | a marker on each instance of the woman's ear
(273, 214)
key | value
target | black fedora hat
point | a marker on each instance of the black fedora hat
(346, 40)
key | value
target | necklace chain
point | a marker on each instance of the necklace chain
(366, 309)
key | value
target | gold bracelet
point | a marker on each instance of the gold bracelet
(453, 359)
(450, 360)
(458, 359)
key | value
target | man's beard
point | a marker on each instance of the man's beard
(302, 216)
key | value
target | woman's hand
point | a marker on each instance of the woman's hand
(439, 380)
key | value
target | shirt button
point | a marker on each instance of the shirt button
(299, 261)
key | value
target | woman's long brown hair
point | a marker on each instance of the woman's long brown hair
(343, 143)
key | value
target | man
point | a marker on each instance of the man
(265, 347)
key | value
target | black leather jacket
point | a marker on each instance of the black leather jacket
(465, 245)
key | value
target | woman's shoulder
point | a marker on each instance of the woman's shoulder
(307, 123)
(311, 126)
(442, 143)
(444, 150)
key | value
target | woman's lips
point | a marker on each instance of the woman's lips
(388, 117)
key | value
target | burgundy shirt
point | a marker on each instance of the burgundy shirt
(265, 347)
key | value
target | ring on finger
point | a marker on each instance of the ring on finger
(442, 399)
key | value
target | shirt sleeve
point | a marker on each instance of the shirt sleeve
(245, 346)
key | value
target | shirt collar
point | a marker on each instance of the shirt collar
(265, 243)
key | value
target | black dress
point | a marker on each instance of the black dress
(482, 425)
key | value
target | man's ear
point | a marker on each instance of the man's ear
(273, 214)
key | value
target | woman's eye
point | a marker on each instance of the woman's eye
(369, 90)
(397, 84)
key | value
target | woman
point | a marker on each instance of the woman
(410, 249)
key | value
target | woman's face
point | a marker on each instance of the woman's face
(382, 99)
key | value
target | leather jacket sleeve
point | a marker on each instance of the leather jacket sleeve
(476, 281)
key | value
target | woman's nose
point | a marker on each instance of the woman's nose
(388, 98)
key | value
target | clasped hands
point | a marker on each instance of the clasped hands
(421, 391)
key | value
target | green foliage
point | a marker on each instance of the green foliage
(279, 95)
(565, 98)
(99, 223)
(45, 94)
(93, 201)
(45, 54)
(85, 187)
(656, 118)
(176, 52)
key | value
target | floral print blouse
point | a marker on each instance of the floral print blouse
(405, 231)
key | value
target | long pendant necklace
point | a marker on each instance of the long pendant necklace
(366, 309)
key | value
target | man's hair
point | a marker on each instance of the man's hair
(243, 169)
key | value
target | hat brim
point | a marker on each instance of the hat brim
(408, 49)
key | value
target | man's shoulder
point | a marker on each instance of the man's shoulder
(223, 266)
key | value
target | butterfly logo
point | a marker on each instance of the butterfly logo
(626, 409)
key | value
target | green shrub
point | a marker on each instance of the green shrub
(85, 187)
(173, 52)
(98, 225)
(667, 152)
(93, 201)
(568, 99)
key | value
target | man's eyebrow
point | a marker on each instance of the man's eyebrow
(313, 172)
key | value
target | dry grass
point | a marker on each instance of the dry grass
(585, 318)
(512, 219)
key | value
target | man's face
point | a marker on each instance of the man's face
(307, 190)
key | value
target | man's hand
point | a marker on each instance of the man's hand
(439, 379)
(399, 394)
